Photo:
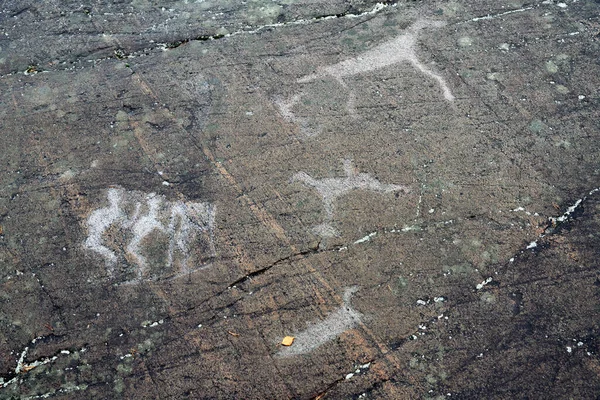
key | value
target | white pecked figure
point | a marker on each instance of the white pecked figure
(330, 189)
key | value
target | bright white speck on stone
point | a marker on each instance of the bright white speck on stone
(569, 349)
(410, 228)
(350, 375)
(532, 245)
(482, 284)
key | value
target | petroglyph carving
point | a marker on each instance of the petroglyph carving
(285, 109)
(398, 50)
(319, 333)
(332, 188)
(139, 219)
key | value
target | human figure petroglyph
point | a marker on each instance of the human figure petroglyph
(331, 189)
(398, 50)
(142, 226)
(317, 334)
(181, 222)
(98, 222)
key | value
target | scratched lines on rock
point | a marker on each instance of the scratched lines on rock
(154, 235)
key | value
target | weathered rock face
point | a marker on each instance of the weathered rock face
(89, 32)
(409, 189)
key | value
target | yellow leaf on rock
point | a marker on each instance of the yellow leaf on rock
(287, 341)
(27, 368)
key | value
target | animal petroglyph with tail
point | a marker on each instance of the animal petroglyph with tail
(321, 332)
(331, 189)
(138, 219)
(398, 50)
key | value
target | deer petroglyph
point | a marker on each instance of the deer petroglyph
(398, 50)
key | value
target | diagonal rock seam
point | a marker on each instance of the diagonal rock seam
(377, 8)
(555, 222)
(358, 370)
(262, 270)
(23, 367)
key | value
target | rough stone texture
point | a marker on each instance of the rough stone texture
(479, 279)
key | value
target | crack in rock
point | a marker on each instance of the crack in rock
(23, 367)
(120, 54)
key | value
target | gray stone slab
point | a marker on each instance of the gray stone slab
(410, 189)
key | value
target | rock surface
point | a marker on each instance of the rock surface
(411, 189)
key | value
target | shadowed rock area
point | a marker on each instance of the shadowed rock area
(410, 189)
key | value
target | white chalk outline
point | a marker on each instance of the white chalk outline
(400, 49)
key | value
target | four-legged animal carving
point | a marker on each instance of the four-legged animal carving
(400, 49)
(332, 188)
(182, 221)
(179, 221)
